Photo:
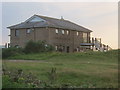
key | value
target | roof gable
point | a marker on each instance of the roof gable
(35, 19)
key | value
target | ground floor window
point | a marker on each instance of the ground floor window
(77, 49)
(17, 46)
(56, 47)
(63, 48)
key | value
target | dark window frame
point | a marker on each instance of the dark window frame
(28, 31)
(63, 32)
(56, 47)
(85, 38)
(77, 33)
(17, 32)
(56, 31)
(68, 32)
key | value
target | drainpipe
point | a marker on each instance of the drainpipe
(34, 34)
(92, 43)
(73, 40)
(100, 43)
(48, 35)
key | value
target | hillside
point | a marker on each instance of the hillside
(84, 70)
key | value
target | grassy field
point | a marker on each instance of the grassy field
(85, 70)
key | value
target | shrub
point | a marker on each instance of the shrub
(36, 47)
(50, 48)
(52, 75)
(31, 47)
(7, 52)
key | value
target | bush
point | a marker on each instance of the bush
(7, 52)
(37, 47)
(31, 47)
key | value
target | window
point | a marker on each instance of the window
(46, 45)
(63, 32)
(68, 32)
(28, 31)
(17, 46)
(35, 19)
(77, 33)
(56, 47)
(77, 49)
(85, 37)
(16, 32)
(56, 31)
(63, 48)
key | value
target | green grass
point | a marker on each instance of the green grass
(87, 69)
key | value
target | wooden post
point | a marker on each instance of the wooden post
(93, 43)
(107, 47)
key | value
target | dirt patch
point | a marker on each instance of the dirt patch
(27, 61)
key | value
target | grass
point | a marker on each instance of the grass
(85, 70)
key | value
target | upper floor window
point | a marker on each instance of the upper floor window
(28, 31)
(56, 30)
(77, 33)
(84, 37)
(63, 32)
(68, 32)
(16, 32)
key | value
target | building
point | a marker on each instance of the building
(64, 35)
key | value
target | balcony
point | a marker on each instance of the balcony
(86, 44)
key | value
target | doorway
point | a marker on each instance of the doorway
(68, 49)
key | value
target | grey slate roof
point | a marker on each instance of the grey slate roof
(51, 22)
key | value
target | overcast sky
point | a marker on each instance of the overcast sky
(100, 17)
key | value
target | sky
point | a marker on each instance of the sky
(100, 17)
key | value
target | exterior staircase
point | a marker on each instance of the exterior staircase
(95, 45)
(98, 46)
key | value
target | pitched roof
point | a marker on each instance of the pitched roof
(50, 22)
